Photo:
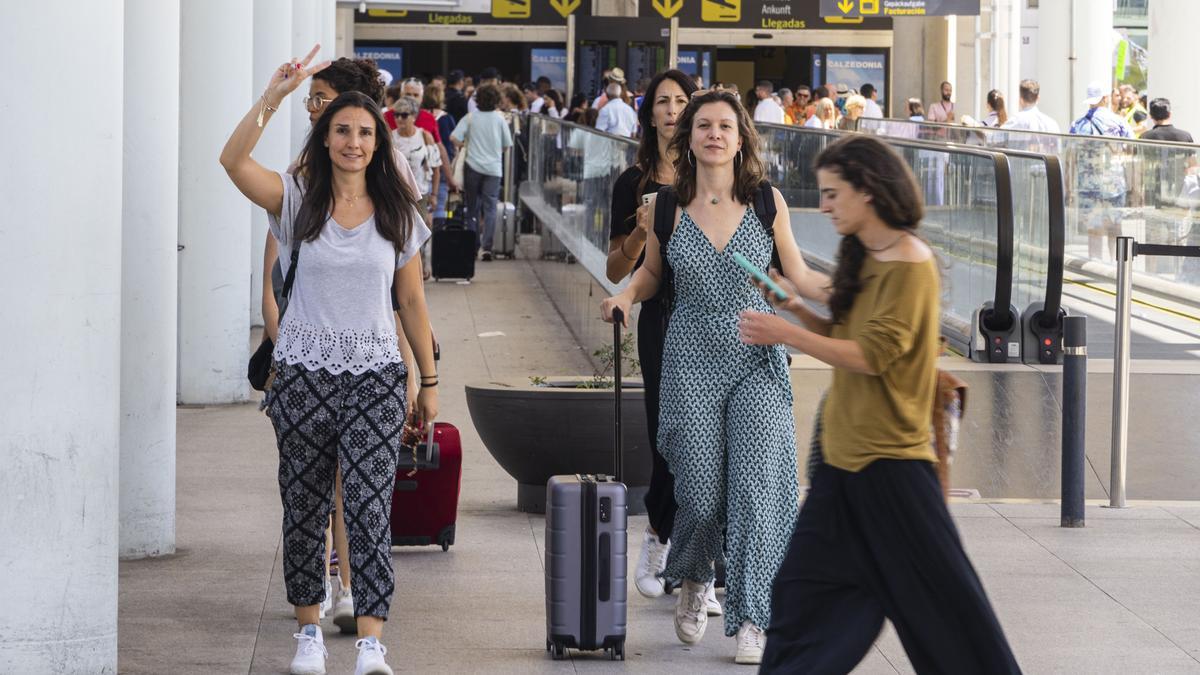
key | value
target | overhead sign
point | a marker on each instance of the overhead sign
(498, 13)
(767, 15)
(872, 8)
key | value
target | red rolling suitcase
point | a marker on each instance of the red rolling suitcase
(425, 503)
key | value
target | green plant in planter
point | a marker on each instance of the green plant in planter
(602, 378)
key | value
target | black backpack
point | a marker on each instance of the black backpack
(664, 227)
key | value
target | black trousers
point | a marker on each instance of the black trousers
(660, 497)
(874, 544)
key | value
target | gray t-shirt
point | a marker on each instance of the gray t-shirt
(339, 314)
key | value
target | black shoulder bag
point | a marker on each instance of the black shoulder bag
(260, 367)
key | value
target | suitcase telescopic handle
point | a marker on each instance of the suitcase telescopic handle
(618, 321)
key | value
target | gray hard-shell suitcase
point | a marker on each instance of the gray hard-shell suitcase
(586, 551)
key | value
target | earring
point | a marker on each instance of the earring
(739, 155)
(691, 158)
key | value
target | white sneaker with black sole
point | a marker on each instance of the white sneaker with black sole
(647, 578)
(370, 658)
(751, 641)
(691, 615)
(310, 652)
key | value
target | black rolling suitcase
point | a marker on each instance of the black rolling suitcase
(586, 552)
(453, 251)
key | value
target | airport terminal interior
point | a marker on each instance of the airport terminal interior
(200, 481)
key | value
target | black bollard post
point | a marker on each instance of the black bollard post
(1074, 412)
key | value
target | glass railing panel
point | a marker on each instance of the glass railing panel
(1147, 190)
(572, 170)
(961, 215)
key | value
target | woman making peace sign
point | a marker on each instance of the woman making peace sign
(353, 232)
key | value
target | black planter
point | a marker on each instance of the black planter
(536, 432)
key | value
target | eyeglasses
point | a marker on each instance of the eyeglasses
(314, 103)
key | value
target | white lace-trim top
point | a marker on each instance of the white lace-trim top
(339, 315)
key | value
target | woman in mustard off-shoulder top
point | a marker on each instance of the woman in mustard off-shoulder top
(874, 538)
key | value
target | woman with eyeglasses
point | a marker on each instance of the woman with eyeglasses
(342, 75)
(725, 408)
(420, 151)
(338, 399)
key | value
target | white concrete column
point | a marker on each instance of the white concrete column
(1172, 34)
(327, 11)
(60, 287)
(149, 292)
(217, 56)
(272, 46)
(344, 45)
(1075, 48)
(305, 33)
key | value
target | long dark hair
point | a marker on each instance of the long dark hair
(749, 171)
(647, 155)
(393, 198)
(871, 167)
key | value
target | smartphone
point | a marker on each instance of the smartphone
(761, 276)
(648, 197)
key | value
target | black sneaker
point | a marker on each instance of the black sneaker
(487, 256)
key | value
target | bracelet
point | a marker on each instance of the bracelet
(429, 385)
(623, 253)
(262, 110)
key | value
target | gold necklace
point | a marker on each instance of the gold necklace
(352, 200)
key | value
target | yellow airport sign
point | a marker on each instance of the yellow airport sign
(511, 9)
(667, 8)
(565, 7)
(721, 11)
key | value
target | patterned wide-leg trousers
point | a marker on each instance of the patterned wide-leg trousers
(322, 421)
(731, 444)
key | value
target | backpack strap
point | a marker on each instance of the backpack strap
(764, 208)
(664, 227)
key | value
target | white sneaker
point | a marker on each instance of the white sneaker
(750, 644)
(691, 617)
(327, 603)
(343, 612)
(710, 599)
(310, 653)
(370, 658)
(648, 576)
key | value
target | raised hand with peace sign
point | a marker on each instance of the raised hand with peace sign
(288, 77)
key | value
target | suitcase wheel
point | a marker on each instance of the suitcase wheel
(617, 653)
(445, 546)
(557, 652)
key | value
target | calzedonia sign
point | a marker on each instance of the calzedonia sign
(764, 15)
(871, 8)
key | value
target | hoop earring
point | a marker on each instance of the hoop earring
(691, 158)
(738, 159)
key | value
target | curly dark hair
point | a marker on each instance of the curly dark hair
(394, 199)
(361, 75)
(749, 171)
(647, 154)
(487, 97)
(871, 167)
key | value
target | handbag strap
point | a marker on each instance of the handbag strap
(289, 280)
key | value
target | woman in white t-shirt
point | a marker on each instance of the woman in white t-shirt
(419, 149)
(337, 399)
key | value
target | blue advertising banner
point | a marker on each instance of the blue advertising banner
(696, 63)
(855, 70)
(551, 63)
(390, 59)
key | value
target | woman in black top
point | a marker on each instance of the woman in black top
(666, 97)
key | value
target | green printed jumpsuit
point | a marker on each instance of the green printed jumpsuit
(726, 425)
